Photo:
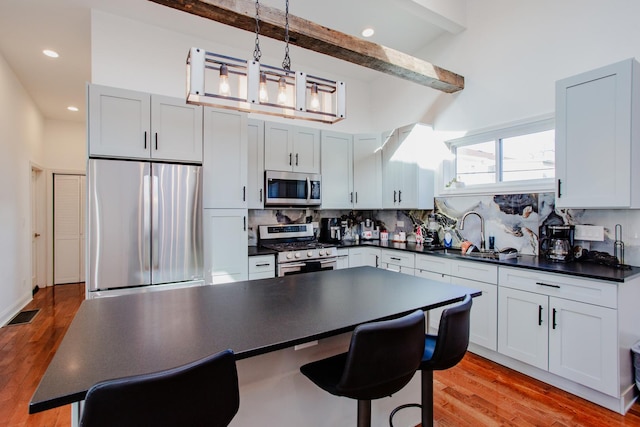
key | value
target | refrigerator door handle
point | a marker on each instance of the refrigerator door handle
(146, 222)
(154, 223)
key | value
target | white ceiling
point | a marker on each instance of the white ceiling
(29, 26)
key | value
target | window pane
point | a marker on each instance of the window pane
(476, 163)
(529, 156)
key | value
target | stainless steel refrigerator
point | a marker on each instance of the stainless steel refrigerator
(144, 225)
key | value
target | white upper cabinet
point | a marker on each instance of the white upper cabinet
(337, 170)
(405, 183)
(225, 159)
(255, 185)
(137, 125)
(291, 148)
(367, 172)
(176, 130)
(597, 138)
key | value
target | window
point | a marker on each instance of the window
(510, 156)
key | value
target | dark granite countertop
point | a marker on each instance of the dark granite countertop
(580, 269)
(141, 333)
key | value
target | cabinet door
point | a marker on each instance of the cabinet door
(593, 138)
(343, 259)
(391, 170)
(484, 313)
(583, 344)
(225, 159)
(337, 170)
(255, 184)
(523, 326)
(364, 256)
(225, 248)
(176, 130)
(306, 150)
(119, 123)
(278, 146)
(367, 172)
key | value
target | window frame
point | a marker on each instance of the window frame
(535, 125)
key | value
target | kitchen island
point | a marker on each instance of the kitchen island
(262, 321)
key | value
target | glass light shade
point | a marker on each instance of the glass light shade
(282, 91)
(314, 101)
(224, 88)
(263, 93)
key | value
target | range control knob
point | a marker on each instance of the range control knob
(320, 252)
(309, 254)
(297, 254)
(289, 255)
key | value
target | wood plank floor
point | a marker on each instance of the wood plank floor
(477, 392)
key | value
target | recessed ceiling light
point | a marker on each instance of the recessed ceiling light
(367, 32)
(50, 53)
(72, 108)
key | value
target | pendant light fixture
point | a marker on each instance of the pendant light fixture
(249, 85)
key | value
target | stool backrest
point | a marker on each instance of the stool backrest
(383, 357)
(453, 336)
(202, 393)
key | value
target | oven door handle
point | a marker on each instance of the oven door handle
(302, 264)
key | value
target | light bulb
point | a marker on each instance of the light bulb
(282, 91)
(264, 95)
(224, 88)
(315, 99)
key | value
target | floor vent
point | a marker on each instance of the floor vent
(23, 317)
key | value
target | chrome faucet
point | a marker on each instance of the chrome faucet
(482, 246)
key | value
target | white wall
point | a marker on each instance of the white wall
(134, 55)
(511, 55)
(65, 151)
(21, 129)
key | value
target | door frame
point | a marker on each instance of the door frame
(38, 224)
(50, 215)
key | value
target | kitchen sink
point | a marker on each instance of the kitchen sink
(473, 254)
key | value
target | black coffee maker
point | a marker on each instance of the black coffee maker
(331, 230)
(556, 242)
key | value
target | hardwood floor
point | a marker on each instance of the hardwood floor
(477, 392)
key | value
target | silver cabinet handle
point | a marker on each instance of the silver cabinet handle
(263, 265)
(399, 196)
(296, 159)
(156, 141)
(145, 139)
(244, 193)
(261, 195)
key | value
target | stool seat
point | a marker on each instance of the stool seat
(382, 359)
(201, 393)
(440, 352)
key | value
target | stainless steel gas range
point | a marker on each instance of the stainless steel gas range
(298, 249)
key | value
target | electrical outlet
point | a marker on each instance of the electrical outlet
(594, 233)
(400, 224)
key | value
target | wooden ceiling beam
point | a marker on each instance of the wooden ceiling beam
(308, 35)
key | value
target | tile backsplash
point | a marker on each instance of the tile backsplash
(513, 220)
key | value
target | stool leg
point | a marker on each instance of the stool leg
(427, 398)
(364, 413)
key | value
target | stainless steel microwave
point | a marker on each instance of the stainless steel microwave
(292, 189)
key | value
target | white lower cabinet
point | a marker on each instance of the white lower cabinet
(262, 267)
(225, 250)
(471, 274)
(364, 255)
(573, 338)
(343, 259)
(398, 261)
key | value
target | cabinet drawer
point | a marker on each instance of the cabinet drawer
(590, 291)
(433, 264)
(262, 264)
(478, 271)
(438, 277)
(403, 259)
(398, 268)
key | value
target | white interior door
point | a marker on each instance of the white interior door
(68, 229)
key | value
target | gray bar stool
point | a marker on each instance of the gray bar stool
(382, 359)
(442, 351)
(201, 393)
